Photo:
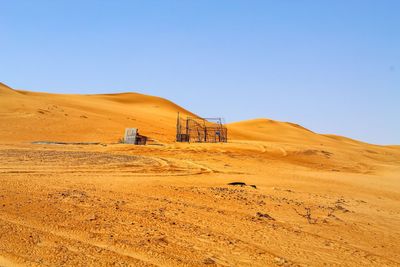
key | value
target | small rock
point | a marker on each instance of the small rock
(209, 261)
(265, 215)
(92, 217)
(279, 260)
(161, 241)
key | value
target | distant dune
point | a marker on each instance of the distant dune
(270, 130)
(32, 116)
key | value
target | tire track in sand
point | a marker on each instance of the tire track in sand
(140, 257)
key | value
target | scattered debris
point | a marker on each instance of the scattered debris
(92, 217)
(242, 184)
(341, 208)
(265, 216)
(307, 216)
(280, 261)
(162, 241)
(43, 111)
(237, 183)
(73, 195)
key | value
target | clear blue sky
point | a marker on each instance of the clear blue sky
(331, 66)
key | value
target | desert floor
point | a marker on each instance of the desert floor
(171, 205)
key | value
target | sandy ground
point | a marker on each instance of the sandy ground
(171, 206)
(317, 199)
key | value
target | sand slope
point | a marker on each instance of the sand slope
(5, 90)
(270, 130)
(30, 116)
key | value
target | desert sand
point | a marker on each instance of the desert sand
(317, 199)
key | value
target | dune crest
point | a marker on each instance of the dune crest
(33, 116)
(6, 90)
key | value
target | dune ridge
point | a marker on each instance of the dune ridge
(33, 116)
(6, 90)
(103, 117)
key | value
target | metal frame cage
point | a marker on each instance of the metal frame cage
(201, 130)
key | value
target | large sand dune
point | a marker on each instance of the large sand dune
(29, 116)
(318, 199)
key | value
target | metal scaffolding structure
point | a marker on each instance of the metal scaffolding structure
(201, 130)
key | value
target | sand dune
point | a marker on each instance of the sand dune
(5, 90)
(103, 118)
(315, 199)
(30, 116)
(270, 130)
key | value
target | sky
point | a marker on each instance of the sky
(332, 66)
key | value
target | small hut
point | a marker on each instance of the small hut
(133, 137)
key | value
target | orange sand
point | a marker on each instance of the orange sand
(320, 199)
